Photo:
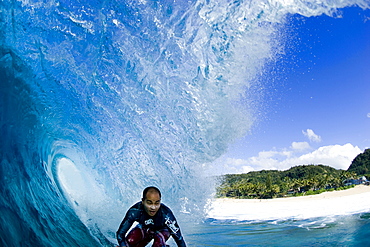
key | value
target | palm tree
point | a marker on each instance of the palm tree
(260, 189)
(296, 185)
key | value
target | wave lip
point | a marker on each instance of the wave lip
(347, 202)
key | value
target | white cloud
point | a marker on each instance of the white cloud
(311, 135)
(246, 169)
(368, 115)
(225, 165)
(337, 156)
(269, 160)
(300, 146)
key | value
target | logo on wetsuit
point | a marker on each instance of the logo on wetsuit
(171, 225)
(148, 222)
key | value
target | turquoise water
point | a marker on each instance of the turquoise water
(99, 99)
(352, 230)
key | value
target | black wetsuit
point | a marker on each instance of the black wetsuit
(164, 218)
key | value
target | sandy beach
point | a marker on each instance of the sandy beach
(350, 201)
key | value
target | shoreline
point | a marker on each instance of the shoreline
(343, 202)
(358, 189)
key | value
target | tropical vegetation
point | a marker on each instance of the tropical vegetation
(298, 180)
(361, 164)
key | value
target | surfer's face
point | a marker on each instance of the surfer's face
(152, 202)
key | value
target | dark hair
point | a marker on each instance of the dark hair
(145, 191)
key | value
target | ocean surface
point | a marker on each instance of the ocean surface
(99, 99)
(350, 230)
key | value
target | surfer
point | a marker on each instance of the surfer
(156, 221)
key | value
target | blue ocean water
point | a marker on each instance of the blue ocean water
(350, 230)
(102, 98)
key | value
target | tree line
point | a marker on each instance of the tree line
(298, 180)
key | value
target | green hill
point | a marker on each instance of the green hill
(361, 164)
(304, 179)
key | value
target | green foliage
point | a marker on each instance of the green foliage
(361, 164)
(298, 180)
(306, 171)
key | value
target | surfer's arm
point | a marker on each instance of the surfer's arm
(174, 228)
(179, 239)
(125, 225)
(122, 230)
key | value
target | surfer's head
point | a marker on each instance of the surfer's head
(151, 200)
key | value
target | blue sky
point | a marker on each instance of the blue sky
(317, 109)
